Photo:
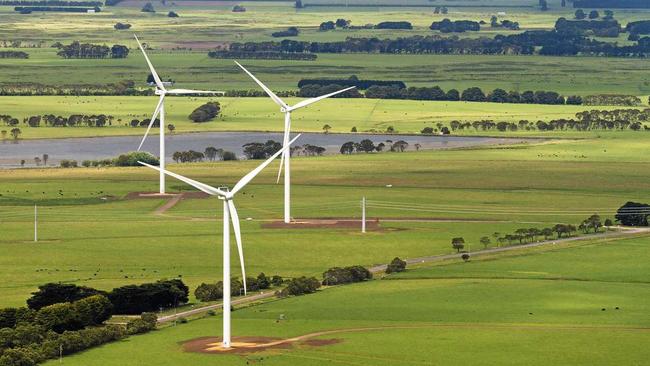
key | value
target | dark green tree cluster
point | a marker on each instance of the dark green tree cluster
(600, 28)
(121, 26)
(633, 214)
(394, 25)
(289, 32)
(352, 81)
(189, 156)
(300, 286)
(212, 292)
(457, 26)
(125, 87)
(59, 9)
(128, 159)
(54, 293)
(312, 90)
(14, 54)
(148, 8)
(50, 3)
(238, 9)
(149, 297)
(396, 265)
(87, 50)
(339, 276)
(262, 55)
(205, 112)
(614, 4)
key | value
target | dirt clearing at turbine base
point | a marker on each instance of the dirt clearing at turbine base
(245, 345)
(322, 223)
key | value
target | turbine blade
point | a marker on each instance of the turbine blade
(268, 91)
(198, 185)
(190, 91)
(307, 102)
(159, 82)
(248, 177)
(280, 170)
(235, 225)
(153, 119)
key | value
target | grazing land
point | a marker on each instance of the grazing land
(580, 302)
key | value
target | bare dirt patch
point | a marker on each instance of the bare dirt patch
(240, 345)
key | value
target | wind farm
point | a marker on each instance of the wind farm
(465, 183)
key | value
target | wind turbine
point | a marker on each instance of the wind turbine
(229, 214)
(160, 108)
(286, 109)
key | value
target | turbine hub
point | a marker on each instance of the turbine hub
(283, 110)
(159, 92)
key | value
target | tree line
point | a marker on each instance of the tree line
(621, 119)
(457, 26)
(125, 87)
(14, 54)
(87, 50)
(351, 81)
(50, 3)
(62, 319)
(542, 42)
(531, 235)
(211, 153)
(367, 146)
(128, 159)
(63, 9)
(600, 28)
(214, 291)
(616, 4)
(261, 55)
(289, 32)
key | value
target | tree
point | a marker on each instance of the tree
(206, 112)
(396, 265)
(473, 94)
(547, 232)
(54, 293)
(417, 146)
(543, 5)
(458, 244)
(633, 214)
(609, 15)
(563, 3)
(366, 145)
(608, 222)
(172, 14)
(347, 148)
(300, 286)
(208, 292)
(327, 128)
(298, 4)
(148, 8)
(485, 241)
(594, 14)
(15, 132)
(465, 257)
(46, 157)
(594, 222)
(354, 129)
(580, 14)
(171, 128)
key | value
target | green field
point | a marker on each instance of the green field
(261, 114)
(430, 316)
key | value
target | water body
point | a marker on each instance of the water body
(94, 148)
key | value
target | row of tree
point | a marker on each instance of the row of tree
(87, 50)
(367, 146)
(128, 159)
(289, 32)
(214, 291)
(125, 87)
(13, 54)
(339, 276)
(61, 9)
(361, 84)
(261, 55)
(615, 4)
(457, 26)
(600, 28)
(542, 42)
(49, 3)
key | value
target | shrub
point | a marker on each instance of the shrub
(338, 276)
(132, 158)
(172, 14)
(396, 265)
(146, 323)
(135, 299)
(208, 292)
(120, 26)
(148, 8)
(205, 112)
(182, 320)
(277, 280)
(229, 156)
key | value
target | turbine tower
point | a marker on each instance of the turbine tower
(160, 109)
(229, 214)
(286, 109)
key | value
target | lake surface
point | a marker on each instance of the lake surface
(95, 148)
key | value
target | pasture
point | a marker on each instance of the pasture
(525, 319)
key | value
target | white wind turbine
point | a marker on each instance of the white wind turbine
(286, 109)
(229, 214)
(160, 108)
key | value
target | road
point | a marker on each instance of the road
(622, 232)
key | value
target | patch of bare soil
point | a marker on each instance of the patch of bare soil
(371, 225)
(239, 345)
